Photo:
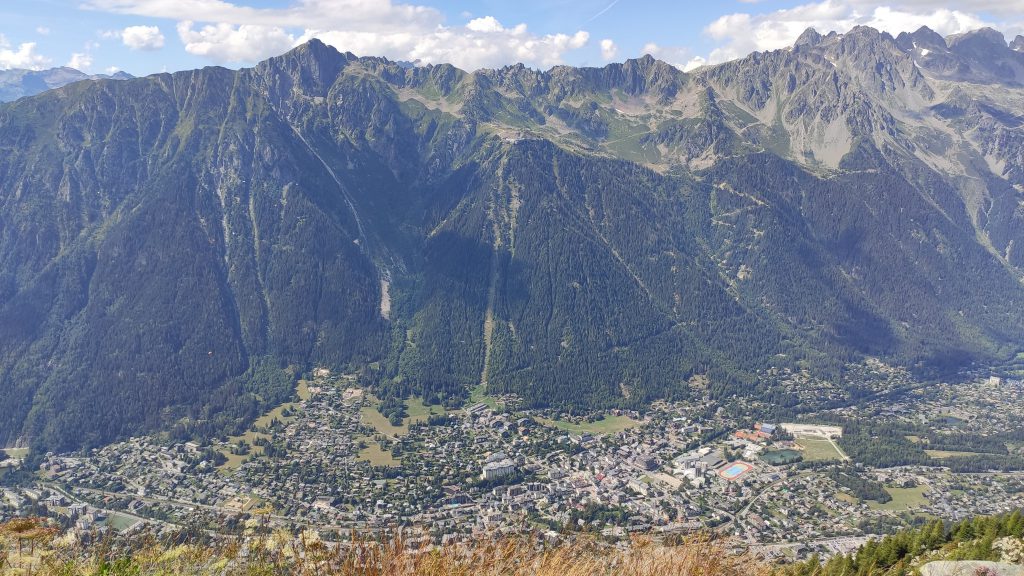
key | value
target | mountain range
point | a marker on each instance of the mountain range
(16, 82)
(174, 249)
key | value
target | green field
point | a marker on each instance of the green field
(902, 499)
(16, 452)
(234, 461)
(608, 425)
(848, 498)
(303, 392)
(478, 395)
(414, 408)
(817, 449)
(374, 455)
(121, 522)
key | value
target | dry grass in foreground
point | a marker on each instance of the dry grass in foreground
(305, 554)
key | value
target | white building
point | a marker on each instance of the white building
(812, 430)
(498, 469)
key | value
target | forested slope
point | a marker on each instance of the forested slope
(175, 249)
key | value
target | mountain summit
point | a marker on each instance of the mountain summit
(17, 83)
(175, 248)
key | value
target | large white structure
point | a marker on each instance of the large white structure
(812, 430)
(498, 469)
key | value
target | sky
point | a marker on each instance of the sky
(149, 36)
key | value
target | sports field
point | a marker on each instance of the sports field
(735, 470)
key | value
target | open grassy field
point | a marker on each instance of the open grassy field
(371, 417)
(234, 461)
(374, 455)
(849, 498)
(608, 425)
(120, 522)
(16, 452)
(414, 407)
(303, 392)
(817, 449)
(478, 395)
(902, 499)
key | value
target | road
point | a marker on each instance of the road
(838, 449)
(74, 499)
(352, 525)
(743, 511)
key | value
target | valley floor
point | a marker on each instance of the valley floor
(331, 462)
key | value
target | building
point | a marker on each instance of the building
(498, 469)
(812, 430)
(647, 462)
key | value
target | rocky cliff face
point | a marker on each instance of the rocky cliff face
(581, 237)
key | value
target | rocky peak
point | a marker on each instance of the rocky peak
(977, 42)
(517, 79)
(865, 36)
(810, 37)
(313, 66)
(865, 47)
(983, 56)
(923, 39)
(1017, 44)
(647, 74)
(876, 60)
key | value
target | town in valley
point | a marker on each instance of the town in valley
(330, 461)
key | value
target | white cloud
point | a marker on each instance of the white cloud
(677, 56)
(742, 33)
(464, 47)
(111, 70)
(1011, 7)
(232, 32)
(228, 43)
(485, 24)
(142, 37)
(43, 31)
(25, 56)
(608, 49)
(693, 63)
(80, 61)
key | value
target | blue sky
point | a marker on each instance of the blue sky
(146, 36)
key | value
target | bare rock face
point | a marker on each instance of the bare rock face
(955, 568)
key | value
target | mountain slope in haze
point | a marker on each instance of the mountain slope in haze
(17, 83)
(173, 249)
